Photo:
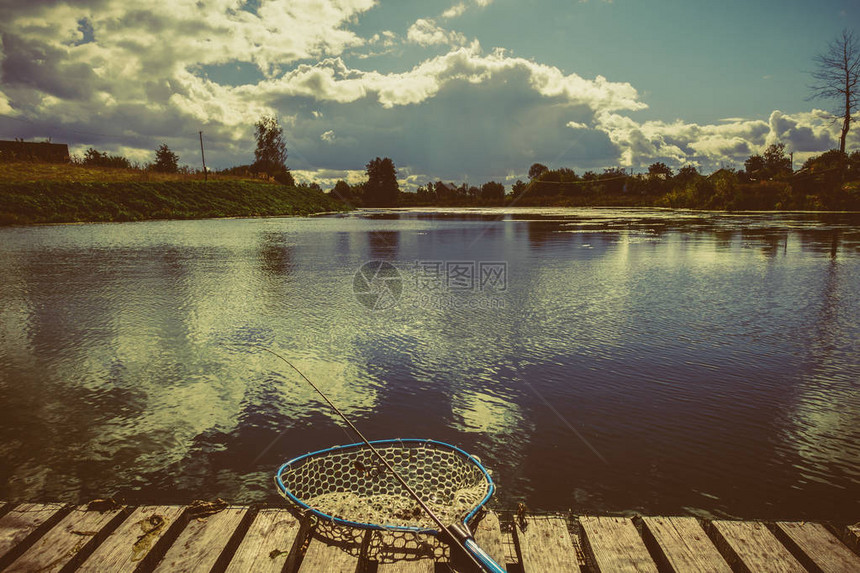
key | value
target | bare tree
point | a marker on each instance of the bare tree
(837, 78)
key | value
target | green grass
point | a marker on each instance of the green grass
(64, 199)
(31, 171)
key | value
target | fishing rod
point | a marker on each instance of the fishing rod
(460, 537)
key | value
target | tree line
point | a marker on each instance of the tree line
(767, 181)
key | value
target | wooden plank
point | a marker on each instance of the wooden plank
(683, 544)
(488, 534)
(330, 558)
(402, 552)
(267, 543)
(545, 545)
(201, 542)
(851, 536)
(21, 521)
(750, 546)
(132, 540)
(419, 566)
(823, 549)
(75, 534)
(615, 544)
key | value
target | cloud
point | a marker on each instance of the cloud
(460, 115)
(731, 141)
(125, 77)
(5, 108)
(327, 178)
(332, 80)
(455, 11)
(460, 8)
(811, 131)
(427, 33)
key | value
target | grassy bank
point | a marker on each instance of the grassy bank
(67, 193)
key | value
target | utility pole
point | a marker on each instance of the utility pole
(203, 157)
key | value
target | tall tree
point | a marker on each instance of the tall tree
(492, 191)
(165, 160)
(754, 166)
(342, 191)
(537, 169)
(775, 161)
(837, 76)
(518, 188)
(658, 169)
(770, 164)
(381, 189)
(271, 154)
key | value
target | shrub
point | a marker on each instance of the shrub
(97, 158)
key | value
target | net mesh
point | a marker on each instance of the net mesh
(353, 485)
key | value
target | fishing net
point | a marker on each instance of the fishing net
(352, 485)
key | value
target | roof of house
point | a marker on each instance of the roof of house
(53, 152)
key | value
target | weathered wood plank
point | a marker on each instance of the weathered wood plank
(403, 552)
(330, 558)
(750, 546)
(419, 566)
(21, 521)
(201, 542)
(683, 544)
(132, 540)
(851, 536)
(488, 534)
(73, 535)
(821, 547)
(615, 544)
(267, 543)
(545, 545)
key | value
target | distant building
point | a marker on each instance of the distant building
(33, 151)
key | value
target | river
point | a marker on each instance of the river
(599, 360)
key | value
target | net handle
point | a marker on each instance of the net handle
(442, 527)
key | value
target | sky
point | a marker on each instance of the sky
(453, 90)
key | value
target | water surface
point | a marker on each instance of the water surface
(662, 362)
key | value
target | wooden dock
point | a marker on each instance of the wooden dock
(206, 537)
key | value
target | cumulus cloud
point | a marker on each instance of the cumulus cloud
(811, 131)
(5, 108)
(121, 73)
(455, 11)
(427, 33)
(729, 142)
(332, 80)
(460, 8)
